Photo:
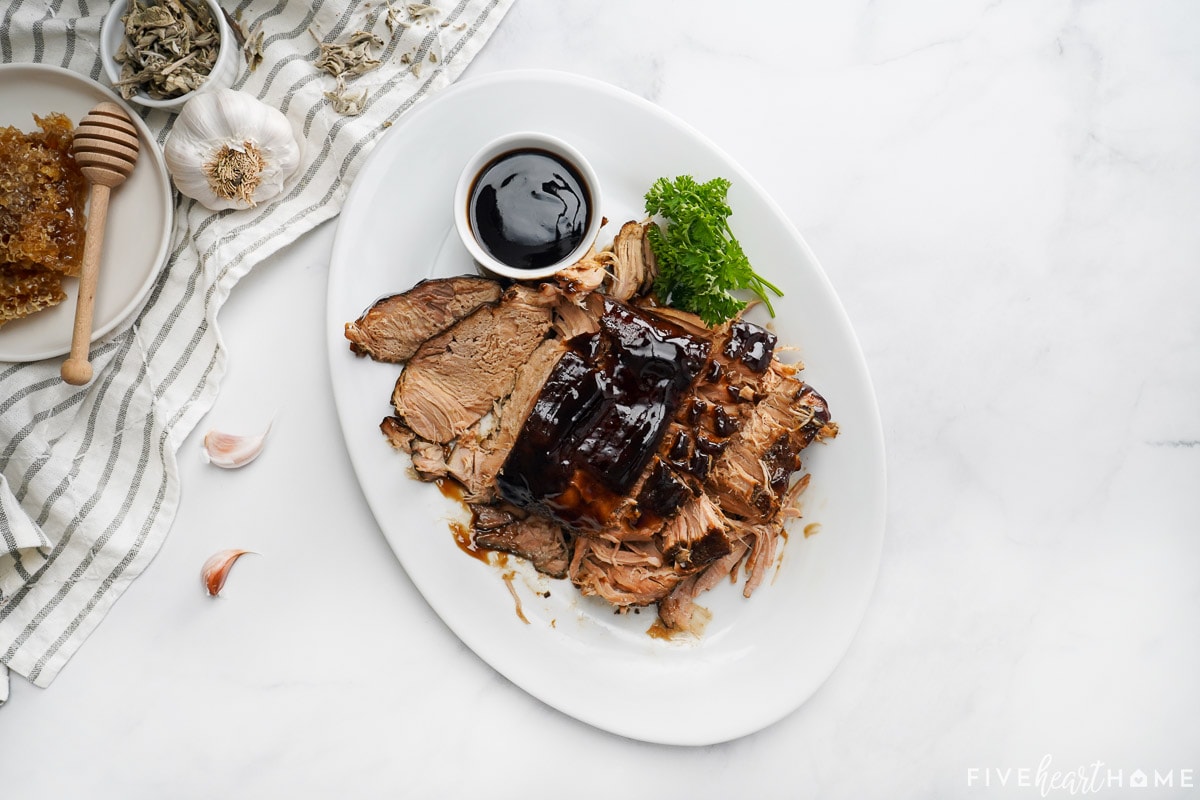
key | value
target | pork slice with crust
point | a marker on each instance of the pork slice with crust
(751, 475)
(696, 536)
(475, 460)
(509, 530)
(456, 377)
(600, 416)
(394, 327)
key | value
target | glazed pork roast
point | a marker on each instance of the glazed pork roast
(620, 444)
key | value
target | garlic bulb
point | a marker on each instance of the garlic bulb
(231, 150)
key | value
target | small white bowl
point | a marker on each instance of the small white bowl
(224, 71)
(525, 140)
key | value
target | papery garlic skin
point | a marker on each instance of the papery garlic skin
(224, 121)
(216, 569)
(230, 451)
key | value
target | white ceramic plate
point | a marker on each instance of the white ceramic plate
(758, 659)
(140, 214)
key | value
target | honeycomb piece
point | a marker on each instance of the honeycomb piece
(26, 291)
(42, 194)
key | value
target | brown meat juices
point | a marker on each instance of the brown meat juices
(601, 416)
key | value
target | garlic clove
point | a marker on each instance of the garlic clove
(216, 569)
(230, 451)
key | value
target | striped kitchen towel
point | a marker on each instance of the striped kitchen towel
(88, 478)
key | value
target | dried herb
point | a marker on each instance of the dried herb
(350, 59)
(253, 48)
(393, 20)
(416, 12)
(349, 104)
(250, 42)
(169, 48)
(421, 10)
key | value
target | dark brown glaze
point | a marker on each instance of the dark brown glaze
(752, 345)
(601, 416)
(529, 208)
(662, 493)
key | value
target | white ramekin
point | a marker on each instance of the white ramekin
(525, 140)
(223, 74)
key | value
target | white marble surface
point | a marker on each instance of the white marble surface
(1006, 195)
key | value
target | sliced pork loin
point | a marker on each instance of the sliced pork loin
(477, 457)
(477, 454)
(696, 535)
(623, 445)
(510, 530)
(737, 377)
(751, 475)
(396, 326)
(456, 377)
(600, 417)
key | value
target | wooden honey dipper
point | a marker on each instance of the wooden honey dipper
(105, 146)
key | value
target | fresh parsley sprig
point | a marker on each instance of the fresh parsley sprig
(699, 260)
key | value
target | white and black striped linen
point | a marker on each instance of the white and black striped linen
(88, 477)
